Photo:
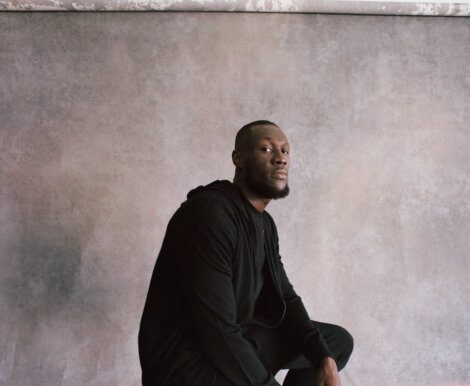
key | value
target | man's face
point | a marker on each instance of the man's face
(267, 162)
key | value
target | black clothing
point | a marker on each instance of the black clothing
(260, 254)
(275, 354)
(203, 298)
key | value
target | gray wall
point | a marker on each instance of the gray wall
(107, 120)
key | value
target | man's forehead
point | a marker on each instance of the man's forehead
(268, 132)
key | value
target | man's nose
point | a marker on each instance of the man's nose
(280, 158)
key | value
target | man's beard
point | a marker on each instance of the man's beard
(264, 190)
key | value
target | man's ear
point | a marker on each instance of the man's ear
(237, 159)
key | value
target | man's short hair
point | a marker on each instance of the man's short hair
(244, 133)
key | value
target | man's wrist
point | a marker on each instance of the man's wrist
(328, 364)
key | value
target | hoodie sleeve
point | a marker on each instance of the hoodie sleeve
(207, 239)
(296, 325)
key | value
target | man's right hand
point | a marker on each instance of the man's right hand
(327, 373)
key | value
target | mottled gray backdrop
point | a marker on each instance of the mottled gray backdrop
(108, 119)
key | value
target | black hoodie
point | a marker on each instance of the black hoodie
(201, 298)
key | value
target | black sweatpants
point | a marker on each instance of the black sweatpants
(276, 354)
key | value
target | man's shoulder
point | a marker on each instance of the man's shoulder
(209, 200)
(207, 206)
(217, 193)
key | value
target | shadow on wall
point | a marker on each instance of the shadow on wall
(56, 216)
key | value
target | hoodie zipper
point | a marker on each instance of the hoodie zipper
(269, 257)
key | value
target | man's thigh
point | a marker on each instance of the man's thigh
(198, 372)
(276, 353)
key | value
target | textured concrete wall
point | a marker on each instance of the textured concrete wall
(108, 119)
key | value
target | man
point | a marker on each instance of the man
(220, 310)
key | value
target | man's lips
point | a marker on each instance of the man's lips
(280, 174)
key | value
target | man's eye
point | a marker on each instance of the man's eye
(285, 151)
(266, 149)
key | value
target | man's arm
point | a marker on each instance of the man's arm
(299, 329)
(296, 325)
(204, 250)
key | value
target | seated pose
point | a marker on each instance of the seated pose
(220, 310)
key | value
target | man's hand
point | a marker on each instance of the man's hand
(327, 373)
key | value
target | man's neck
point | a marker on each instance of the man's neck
(258, 202)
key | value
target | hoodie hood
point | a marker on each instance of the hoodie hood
(228, 189)
(223, 186)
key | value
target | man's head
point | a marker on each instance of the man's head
(261, 157)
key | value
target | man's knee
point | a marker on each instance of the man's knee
(347, 345)
(339, 340)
